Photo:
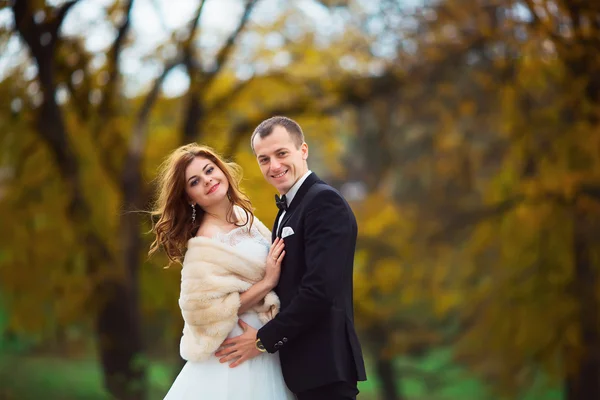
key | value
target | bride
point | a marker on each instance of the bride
(229, 270)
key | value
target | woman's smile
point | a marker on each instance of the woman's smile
(214, 188)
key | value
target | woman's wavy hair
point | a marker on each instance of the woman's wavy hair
(172, 210)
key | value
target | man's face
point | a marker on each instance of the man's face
(281, 163)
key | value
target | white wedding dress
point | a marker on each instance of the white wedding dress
(257, 379)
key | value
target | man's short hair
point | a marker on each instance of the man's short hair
(266, 127)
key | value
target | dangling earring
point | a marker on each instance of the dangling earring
(193, 213)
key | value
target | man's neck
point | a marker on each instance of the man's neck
(296, 186)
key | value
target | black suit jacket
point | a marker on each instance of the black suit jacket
(314, 331)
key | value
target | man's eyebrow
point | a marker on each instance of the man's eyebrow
(279, 150)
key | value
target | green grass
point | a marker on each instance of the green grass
(437, 377)
(33, 378)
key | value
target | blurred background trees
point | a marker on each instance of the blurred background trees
(465, 134)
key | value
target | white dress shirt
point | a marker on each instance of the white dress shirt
(289, 196)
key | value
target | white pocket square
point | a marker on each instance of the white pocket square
(286, 231)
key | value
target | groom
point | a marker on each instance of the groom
(314, 332)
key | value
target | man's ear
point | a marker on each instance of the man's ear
(304, 150)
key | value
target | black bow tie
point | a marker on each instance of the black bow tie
(281, 202)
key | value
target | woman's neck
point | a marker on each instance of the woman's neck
(220, 213)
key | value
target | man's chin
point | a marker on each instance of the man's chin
(282, 189)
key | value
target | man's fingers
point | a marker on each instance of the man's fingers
(229, 341)
(224, 351)
(237, 362)
(242, 324)
(229, 357)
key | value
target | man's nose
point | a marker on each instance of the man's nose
(275, 165)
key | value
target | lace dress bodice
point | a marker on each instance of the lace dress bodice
(251, 242)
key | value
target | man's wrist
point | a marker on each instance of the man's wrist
(259, 346)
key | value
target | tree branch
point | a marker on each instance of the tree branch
(136, 143)
(537, 21)
(113, 65)
(131, 179)
(60, 17)
(193, 113)
(220, 102)
(105, 110)
(225, 51)
(470, 218)
(188, 58)
(590, 190)
(196, 20)
(26, 26)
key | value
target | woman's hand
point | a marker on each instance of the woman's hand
(274, 259)
(259, 290)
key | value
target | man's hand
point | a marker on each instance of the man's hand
(240, 348)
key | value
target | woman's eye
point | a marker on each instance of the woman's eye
(194, 182)
(208, 171)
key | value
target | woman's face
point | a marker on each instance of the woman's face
(205, 184)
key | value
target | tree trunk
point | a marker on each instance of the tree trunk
(120, 343)
(384, 366)
(119, 320)
(584, 383)
(117, 324)
(386, 373)
(193, 116)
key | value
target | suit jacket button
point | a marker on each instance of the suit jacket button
(285, 340)
(280, 343)
(276, 345)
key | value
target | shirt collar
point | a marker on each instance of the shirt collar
(289, 196)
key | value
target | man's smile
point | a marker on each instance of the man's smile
(279, 175)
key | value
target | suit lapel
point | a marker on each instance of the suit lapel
(273, 231)
(310, 180)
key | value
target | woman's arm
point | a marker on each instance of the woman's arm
(259, 290)
(254, 295)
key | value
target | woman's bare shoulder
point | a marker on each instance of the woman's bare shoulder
(208, 230)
